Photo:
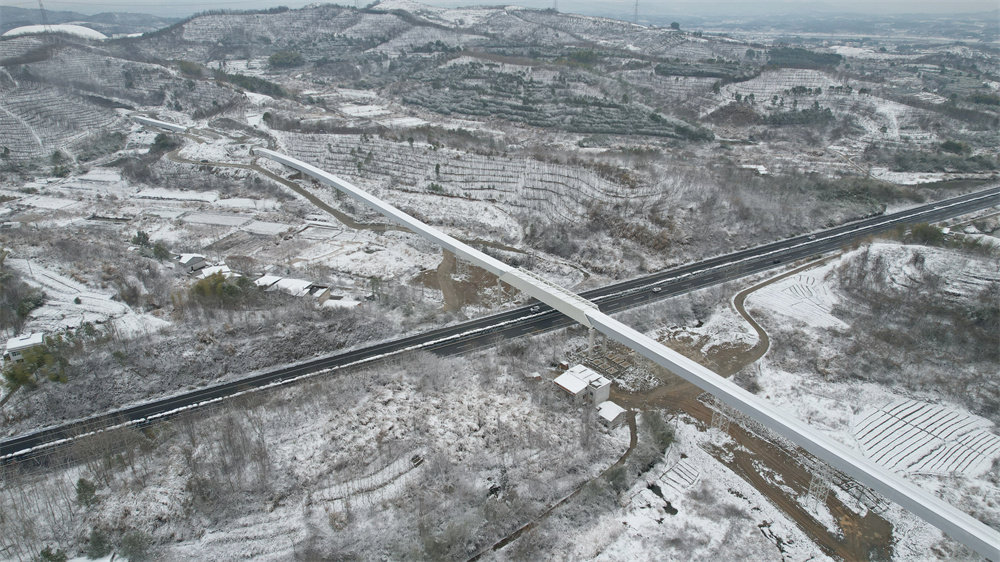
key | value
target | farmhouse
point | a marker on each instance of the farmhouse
(294, 287)
(611, 415)
(338, 301)
(16, 346)
(191, 262)
(220, 269)
(583, 381)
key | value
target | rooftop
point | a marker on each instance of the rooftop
(608, 410)
(570, 383)
(223, 269)
(28, 340)
(185, 259)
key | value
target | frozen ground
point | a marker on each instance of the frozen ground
(916, 437)
(69, 304)
(933, 443)
(718, 515)
(803, 297)
(349, 464)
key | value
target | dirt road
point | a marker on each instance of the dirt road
(861, 538)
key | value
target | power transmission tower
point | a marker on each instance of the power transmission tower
(819, 486)
(635, 16)
(555, 5)
(45, 18)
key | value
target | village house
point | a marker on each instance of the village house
(220, 269)
(191, 262)
(17, 345)
(611, 415)
(294, 287)
(580, 381)
(583, 381)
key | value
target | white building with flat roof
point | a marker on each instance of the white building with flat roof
(17, 345)
(580, 380)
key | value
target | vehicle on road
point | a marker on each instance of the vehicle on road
(535, 308)
(657, 289)
(812, 236)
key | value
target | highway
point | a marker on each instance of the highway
(474, 334)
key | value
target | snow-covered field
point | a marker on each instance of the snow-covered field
(718, 515)
(347, 463)
(803, 297)
(916, 437)
(178, 194)
(939, 445)
(70, 304)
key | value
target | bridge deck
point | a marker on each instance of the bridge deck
(957, 524)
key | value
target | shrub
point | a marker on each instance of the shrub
(161, 252)
(98, 545)
(659, 432)
(46, 555)
(251, 83)
(286, 59)
(985, 99)
(218, 290)
(927, 234)
(141, 239)
(135, 546)
(954, 147)
(86, 492)
(189, 68)
(163, 143)
(617, 478)
(795, 57)
(44, 361)
(811, 116)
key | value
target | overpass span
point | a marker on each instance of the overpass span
(956, 523)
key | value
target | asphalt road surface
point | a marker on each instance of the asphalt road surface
(474, 334)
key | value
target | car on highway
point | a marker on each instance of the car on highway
(535, 308)
(812, 236)
(657, 289)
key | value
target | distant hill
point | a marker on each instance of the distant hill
(108, 23)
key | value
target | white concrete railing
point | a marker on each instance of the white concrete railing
(957, 524)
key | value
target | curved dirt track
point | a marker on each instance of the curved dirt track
(860, 537)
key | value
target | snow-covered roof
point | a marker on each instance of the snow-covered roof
(588, 375)
(77, 30)
(25, 341)
(223, 269)
(609, 411)
(188, 259)
(267, 280)
(296, 287)
(571, 383)
(341, 303)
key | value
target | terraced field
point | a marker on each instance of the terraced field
(920, 438)
(558, 190)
